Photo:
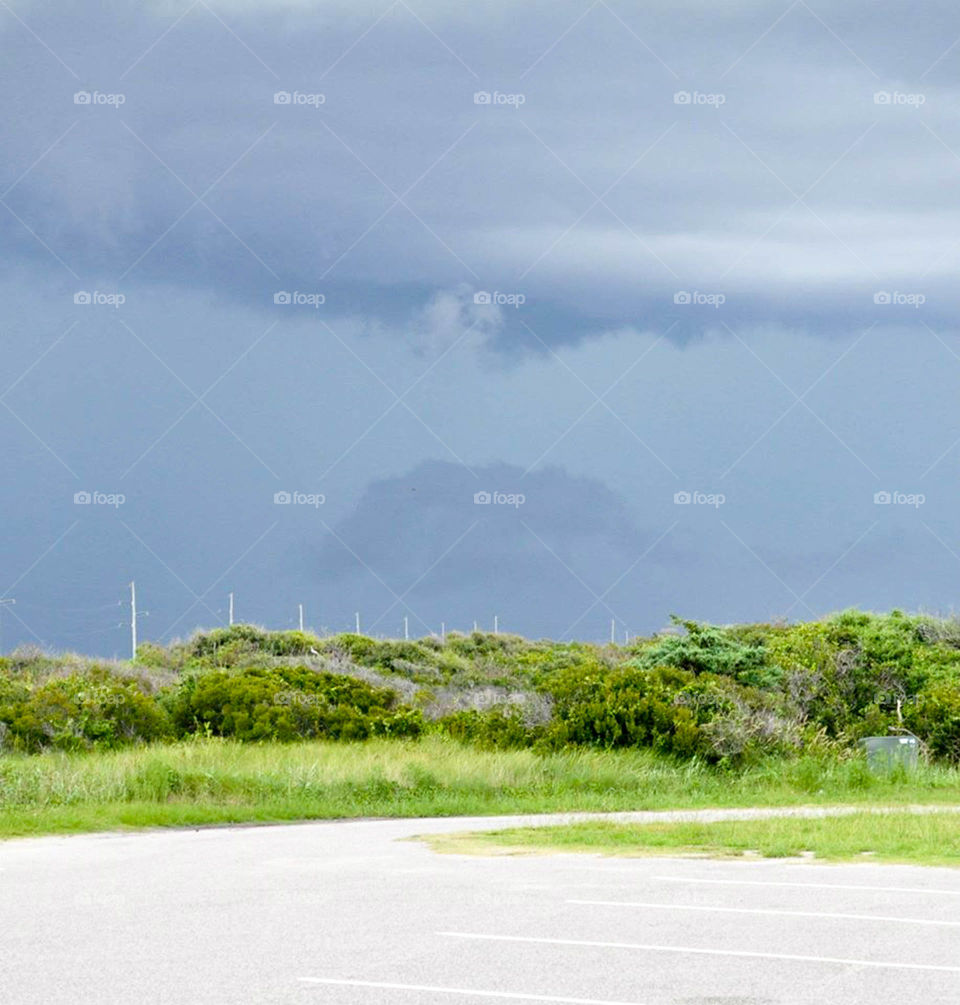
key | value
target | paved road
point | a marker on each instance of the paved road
(347, 914)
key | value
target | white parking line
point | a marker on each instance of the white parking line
(702, 952)
(512, 995)
(810, 886)
(758, 910)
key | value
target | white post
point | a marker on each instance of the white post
(496, 624)
(613, 629)
(474, 626)
(406, 628)
(300, 607)
(231, 608)
(443, 632)
(357, 616)
(133, 620)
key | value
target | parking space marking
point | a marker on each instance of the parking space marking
(809, 886)
(763, 910)
(696, 950)
(511, 995)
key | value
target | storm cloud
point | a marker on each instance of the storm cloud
(622, 262)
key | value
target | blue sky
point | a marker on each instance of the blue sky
(678, 283)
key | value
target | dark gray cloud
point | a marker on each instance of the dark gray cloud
(468, 546)
(749, 294)
(599, 197)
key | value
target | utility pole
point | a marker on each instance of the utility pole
(300, 606)
(231, 608)
(474, 626)
(443, 633)
(496, 624)
(8, 602)
(406, 628)
(133, 620)
(613, 629)
(357, 616)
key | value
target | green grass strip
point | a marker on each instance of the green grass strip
(929, 838)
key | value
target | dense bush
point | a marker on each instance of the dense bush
(628, 707)
(851, 672)
(84, 710)
(225, 644)
(671, 710)
(544, 663)
(498, 646)
(495, 727)
(719, 693)
(289, 703)
(425, 661)
(710, 649)
(935, 716)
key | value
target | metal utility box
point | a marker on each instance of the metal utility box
(886, 752)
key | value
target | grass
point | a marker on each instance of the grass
(888, 836)
(209, 781)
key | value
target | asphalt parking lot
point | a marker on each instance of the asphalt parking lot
(351, 914)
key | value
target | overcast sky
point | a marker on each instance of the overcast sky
(564, 313)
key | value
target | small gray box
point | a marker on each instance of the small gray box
(886, 752)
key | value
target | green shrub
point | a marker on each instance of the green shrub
(673, 711)
(95, 708)
(500, 727)
(933, 663)
(935, 717)
(227, 646)
(495, 645)
(544, 663)
(424, 661)
(850, 672)
(149, 654)
(715, 650)
(289, 703)
(627, 707)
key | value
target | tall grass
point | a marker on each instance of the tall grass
(218, 781)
